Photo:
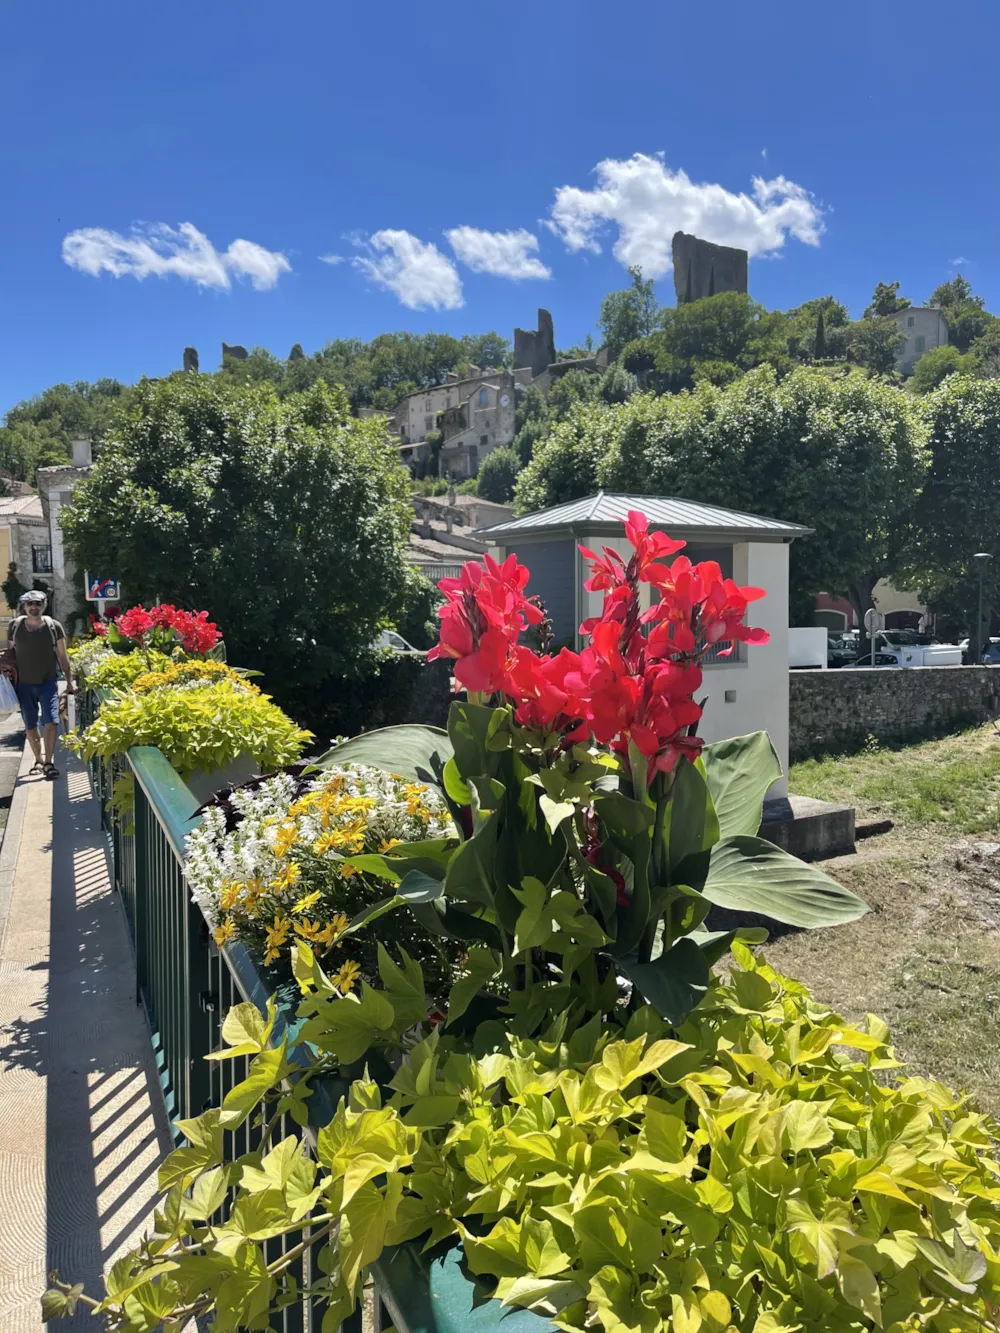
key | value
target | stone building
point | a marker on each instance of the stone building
(24, 542)
(475, 415)
(55, 490)
(923, 327)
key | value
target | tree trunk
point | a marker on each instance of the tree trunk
(860, 596)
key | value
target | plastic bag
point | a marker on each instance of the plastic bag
(8, 695)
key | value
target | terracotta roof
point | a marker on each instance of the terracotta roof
(20, 506)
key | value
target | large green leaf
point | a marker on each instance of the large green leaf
(675, 983)
(415, 753)
(693, 826)
(752, 875)
(740, 771)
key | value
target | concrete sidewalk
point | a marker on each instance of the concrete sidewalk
(82, 1126)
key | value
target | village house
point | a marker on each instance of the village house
(922, 327)
(474, 415)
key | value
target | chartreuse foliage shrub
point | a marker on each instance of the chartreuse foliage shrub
(114, 671)
(764, 1166)
(198, 729)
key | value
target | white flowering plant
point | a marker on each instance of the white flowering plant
(267, 864)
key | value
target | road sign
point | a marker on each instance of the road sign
(100, 589)
(873, 620)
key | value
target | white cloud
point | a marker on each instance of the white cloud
(162, 250)
(420, 275)
(763, 153)
(648, 202)
(955, 263)
(504, 254)
(332, 259)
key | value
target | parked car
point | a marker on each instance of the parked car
(841, 650)
(396, 643)
(991, 653)
(881, 660)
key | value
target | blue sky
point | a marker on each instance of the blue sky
(441, 150)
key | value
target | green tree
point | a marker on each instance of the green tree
(986, 352)
(617, 384)
(875, 342)
(958, 512)
(819, 348)
(565, 463)
(727, 329)
(886, 300)
(37, 432)
(630, 313)
(938, 364)
(498, 475)
(803, 326)
(967, 316)
(844, 457)
(286, 520)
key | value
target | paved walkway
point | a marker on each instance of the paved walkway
(81, 1125)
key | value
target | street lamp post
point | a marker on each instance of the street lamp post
(982, 559)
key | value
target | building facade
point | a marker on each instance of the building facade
(475, 415)
(55, 490)
(899, 608)
(923, 327)
(24, 544)
(747, 691)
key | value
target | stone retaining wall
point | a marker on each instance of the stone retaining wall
(832, 711)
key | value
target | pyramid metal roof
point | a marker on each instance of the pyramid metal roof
(678, 517)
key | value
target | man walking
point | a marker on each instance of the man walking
(37, 645)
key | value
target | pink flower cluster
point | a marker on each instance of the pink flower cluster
(635, 679)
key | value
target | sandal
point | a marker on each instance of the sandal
(36, 768)
(51, 772)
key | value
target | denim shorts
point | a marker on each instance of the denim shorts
(44, 697)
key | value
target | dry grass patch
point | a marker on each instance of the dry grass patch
(927, 956)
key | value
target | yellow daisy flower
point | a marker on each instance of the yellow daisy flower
(224, 933)
(288, 878)
(277, 935)
(308, 901)
(346, 976)
(285, 840)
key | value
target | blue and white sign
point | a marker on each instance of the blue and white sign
(99, 589)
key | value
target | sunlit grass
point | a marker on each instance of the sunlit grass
(954, 781)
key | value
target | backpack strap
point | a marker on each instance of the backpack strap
(51, 626)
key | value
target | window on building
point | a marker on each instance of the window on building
(919, 343)
(41, 560)
(909, 321)
(484, 397)
(484, 439)
(473, 460)
(428, 423)
(428, 404)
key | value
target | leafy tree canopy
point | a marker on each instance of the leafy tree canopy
(886, 300)
(223, 496)
(957, 512)
(966, 313)
(37, 432)
(843, 457)
(726, 330)
(497, 475)
(630, 313)
(937, 364)
(875, 342)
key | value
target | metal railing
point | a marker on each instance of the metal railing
(187, 985)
